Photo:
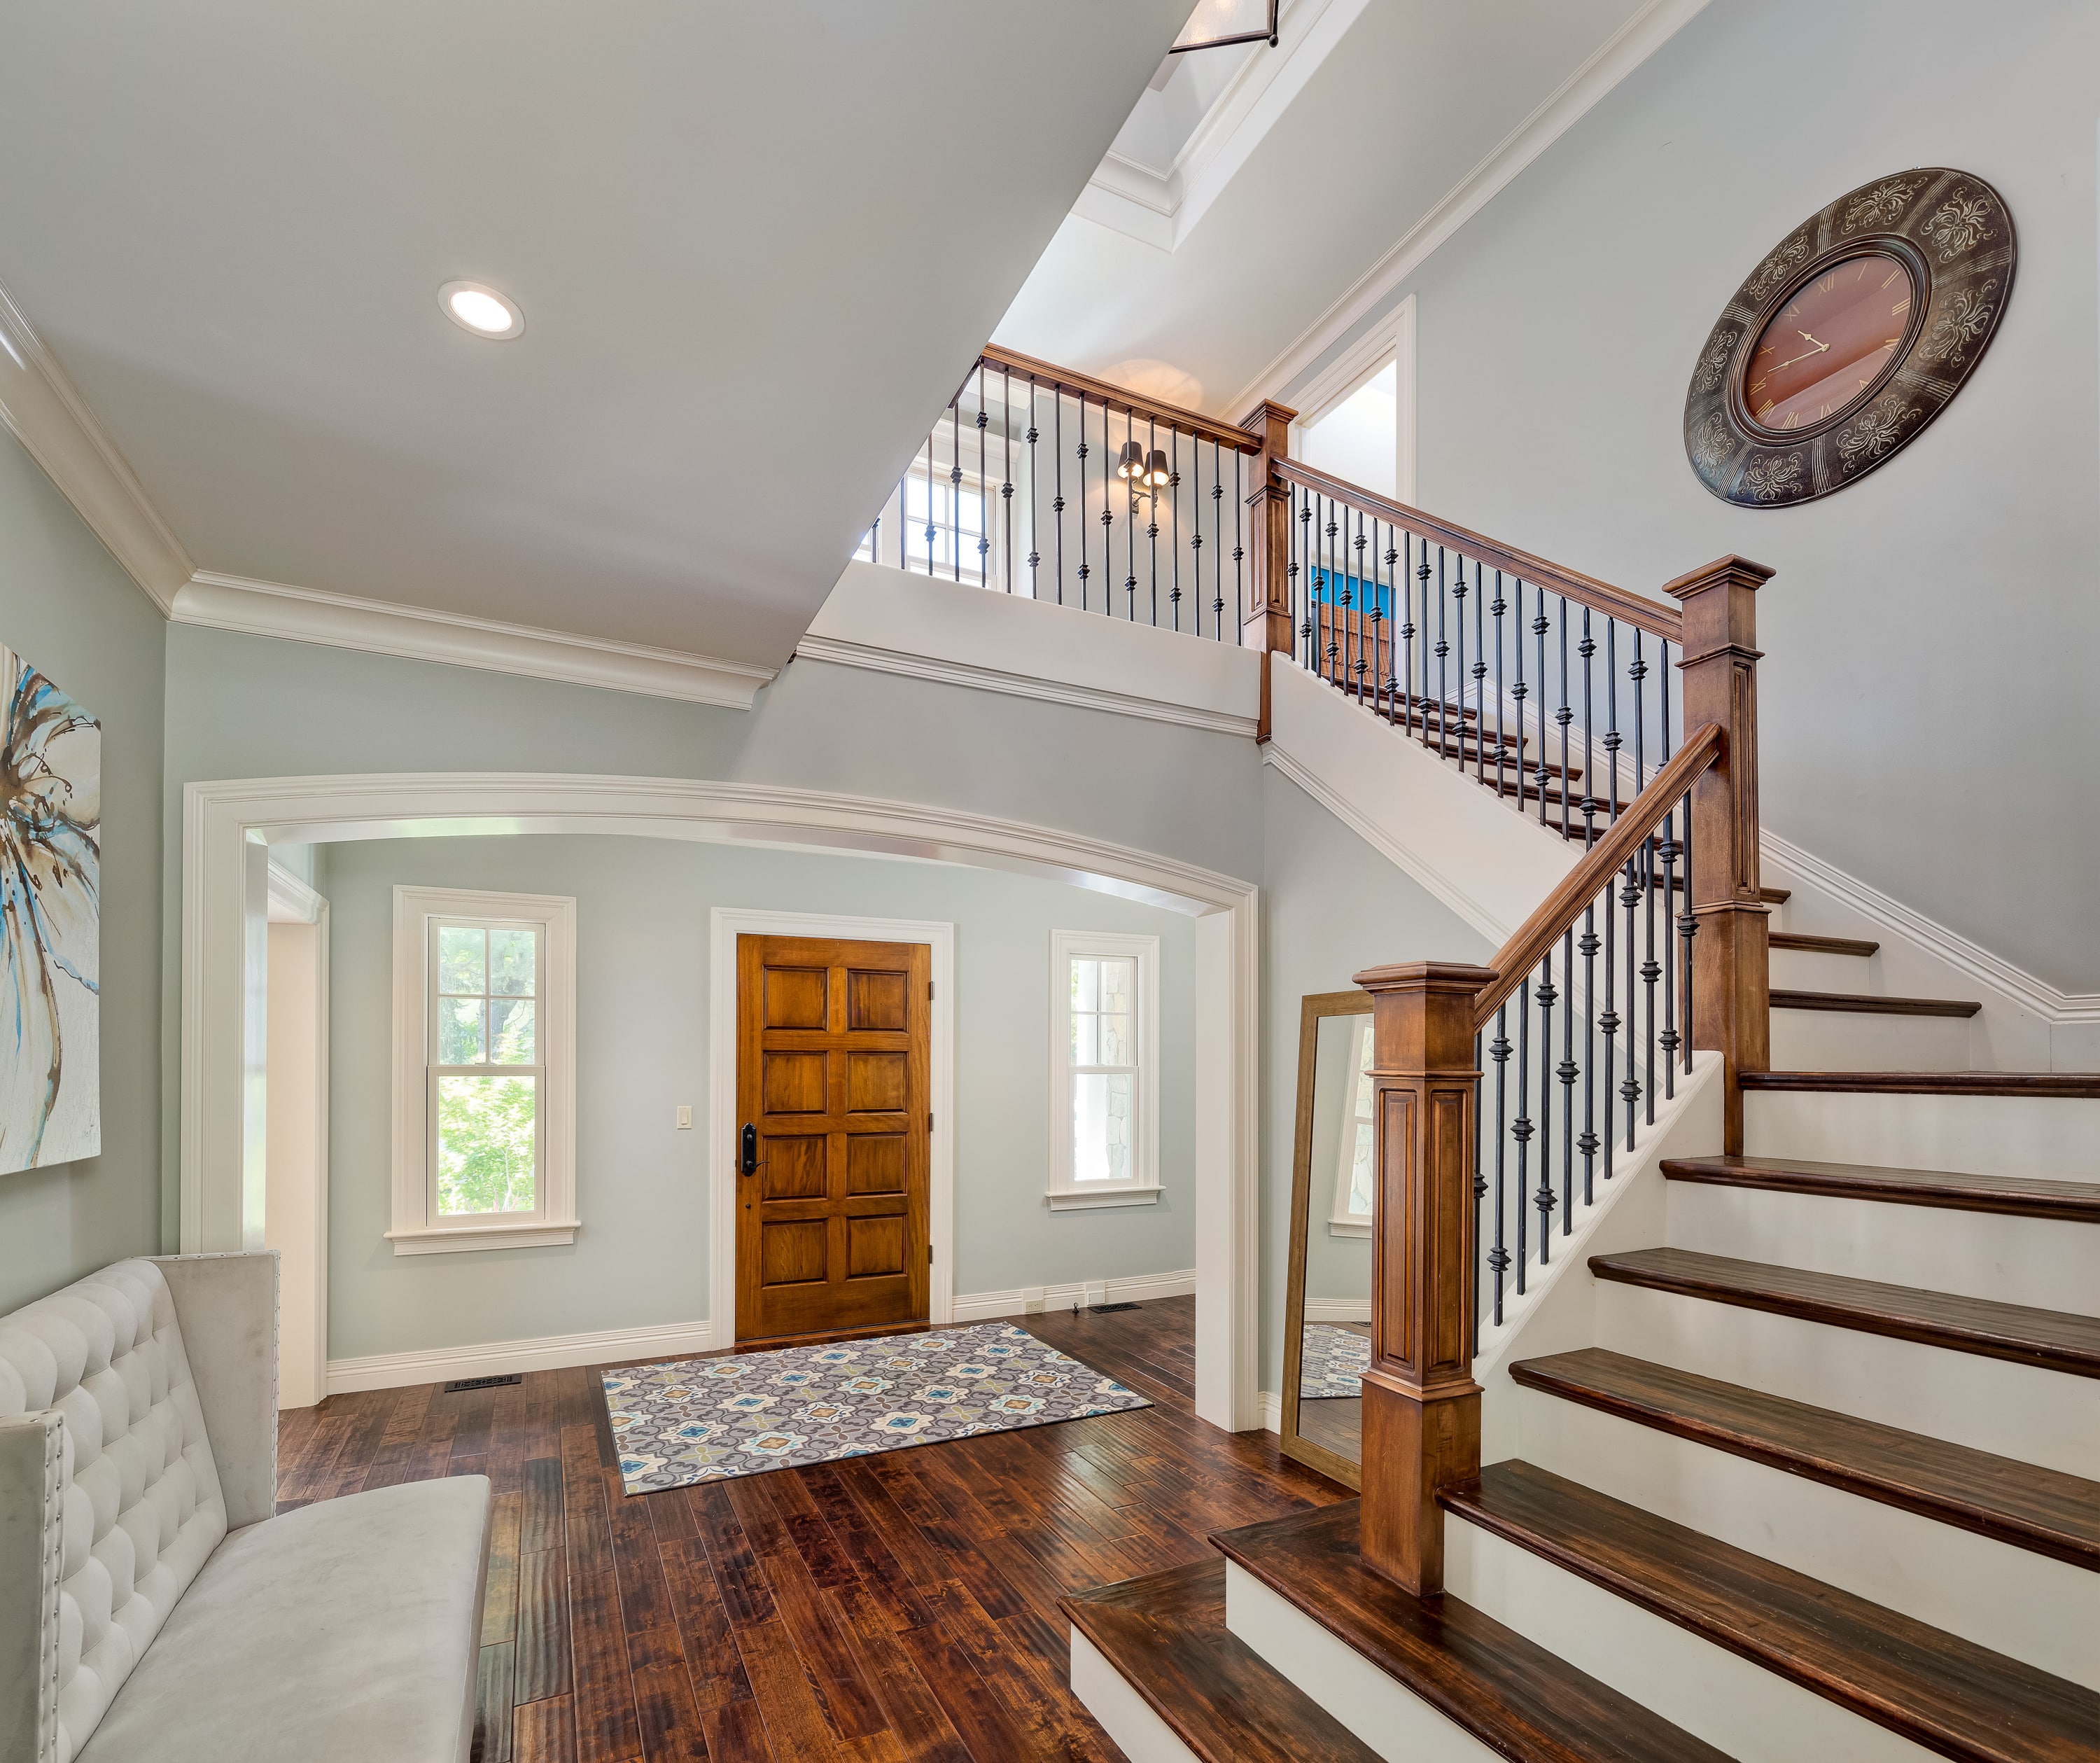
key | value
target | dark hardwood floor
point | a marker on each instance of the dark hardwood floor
(902, 1606)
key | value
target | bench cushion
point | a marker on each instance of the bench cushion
(344, 1632)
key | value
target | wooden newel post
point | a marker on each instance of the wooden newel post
(1731, 976)
(1421, 1409)
(1266, 621)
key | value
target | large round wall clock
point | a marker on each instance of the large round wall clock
(1852, 334)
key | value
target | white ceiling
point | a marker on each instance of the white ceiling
(755, 245)
(1385, 119)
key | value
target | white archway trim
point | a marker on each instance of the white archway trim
(222, 821)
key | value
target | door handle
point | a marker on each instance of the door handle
(748, 1162)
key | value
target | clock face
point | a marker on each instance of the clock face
(1824, 349)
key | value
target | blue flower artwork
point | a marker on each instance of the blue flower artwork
(50, 922)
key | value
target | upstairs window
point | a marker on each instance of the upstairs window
(484, 1070)
(1105, 1070)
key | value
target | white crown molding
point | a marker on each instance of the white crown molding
(51, 420)
(419, 634)
(2019, 988)
(1162, 208)
(848, 654)
(496, 1359)
(1647, 31)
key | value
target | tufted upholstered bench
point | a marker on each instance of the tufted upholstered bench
(151, 1608)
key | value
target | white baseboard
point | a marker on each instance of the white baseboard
(1271, 1411)
(1025, 1300)
(605, 1346)
(608, 1346)
(1337, 1310)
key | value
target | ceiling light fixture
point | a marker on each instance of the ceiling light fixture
(474, 306)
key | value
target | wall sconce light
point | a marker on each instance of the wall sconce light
(1147, 474)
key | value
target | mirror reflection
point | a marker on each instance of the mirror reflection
(1327, 1346)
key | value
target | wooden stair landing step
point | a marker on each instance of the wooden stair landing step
(2068, 1085)
(1870, 1003)
(1933, 1688)
(2044, 1510)
(1511, 1693)
(1167, 1634)
(2054, 1340)
(2027, 1196)
(1812, 945)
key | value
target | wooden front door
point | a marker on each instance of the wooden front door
(832, 1064)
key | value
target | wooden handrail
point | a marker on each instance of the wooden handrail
(1514, 962)
(1664, 621)
(1085, 386)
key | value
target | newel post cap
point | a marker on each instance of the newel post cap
(1730, 571)
(1426, 977)
(1271, 421)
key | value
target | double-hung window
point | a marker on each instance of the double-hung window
(484, 1080)
(1105, 1070)
(1356, 1166)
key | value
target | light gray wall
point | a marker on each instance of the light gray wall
(1927, 685)
(642, 1003)
(66, 607)
(1331, 906)
(241, 706)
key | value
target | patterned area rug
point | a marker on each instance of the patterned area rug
(706, 1420)
(1332, 1362)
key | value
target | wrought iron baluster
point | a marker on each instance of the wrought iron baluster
(1667, 850)
(1541, 625)
(1630, 1091)
(1366, 600)
(1520, 1129)
(1500, 607)
(1688, 928)
(1519, 691)
(1174, 541)
(1612, 737)
(1479, 676)
(1108, 518)
(1239, 553)
(1217, 537)
(1548, 996)
(1396, 573)
(1443, 651)
(1563, 715)
(1057, 452)
(1587, 648)
(1005, 465)
(1152, 525)
(956, 488)
(1651, 968)
(1636, 672)
(1377, 616)
(1588, 1143)
(1498, 1050)
(1568, 1071)
(1608, 1024)
(1301, 610)
(984, 502)
(1479, 1173)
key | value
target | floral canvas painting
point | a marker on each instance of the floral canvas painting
(50, 925)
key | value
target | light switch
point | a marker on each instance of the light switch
(685, 1117)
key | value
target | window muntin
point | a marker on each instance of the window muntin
(484, 1070)
(1104, 1069)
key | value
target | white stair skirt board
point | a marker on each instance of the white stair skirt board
(1997, 1405)
(2045, 1262)
(1125, 1716)
(1839, 1040)
(1806, 970)
(2055, 1136)
(2031, 1606)
(1379, 1710)
(1754, 1715)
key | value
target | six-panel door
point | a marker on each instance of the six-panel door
(832, 1064)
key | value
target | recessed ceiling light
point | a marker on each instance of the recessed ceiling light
(474, 306)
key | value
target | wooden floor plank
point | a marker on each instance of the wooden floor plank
(896, 1608)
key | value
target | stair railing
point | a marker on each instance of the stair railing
(1037, 480)
(1654, 945)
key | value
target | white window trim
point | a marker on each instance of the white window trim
(1143, 1189)
(1341, 1221)
(417, 1230)
(1390, 339)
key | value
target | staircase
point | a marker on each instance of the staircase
(1781, 1445)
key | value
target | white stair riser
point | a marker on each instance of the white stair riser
(1382, 1713)
(1839, 1040)
(1995, 1405)
(1986, 1135)
(1806, 970)
(2034, 1607)
(1125, 1715)
(2038, 1261)
(1752, 1714)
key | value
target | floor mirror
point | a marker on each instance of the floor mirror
(1327, 1316)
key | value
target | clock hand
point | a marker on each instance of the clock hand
(1819, 348)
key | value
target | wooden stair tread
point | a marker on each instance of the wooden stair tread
(2028, 1196)
(2044, 1510)
(2056, 1340)
(1872, 1004)
(1796, 939)
(1167, 1634)
(1511, 1693)
(1933, 1688)
(2084, 1086)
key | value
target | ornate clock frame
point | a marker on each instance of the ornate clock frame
(1954, 234)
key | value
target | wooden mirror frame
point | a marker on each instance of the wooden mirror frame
(1314, 1009)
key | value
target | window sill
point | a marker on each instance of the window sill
(449, 1239)
(1118, 1196)
(1346, 1227)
